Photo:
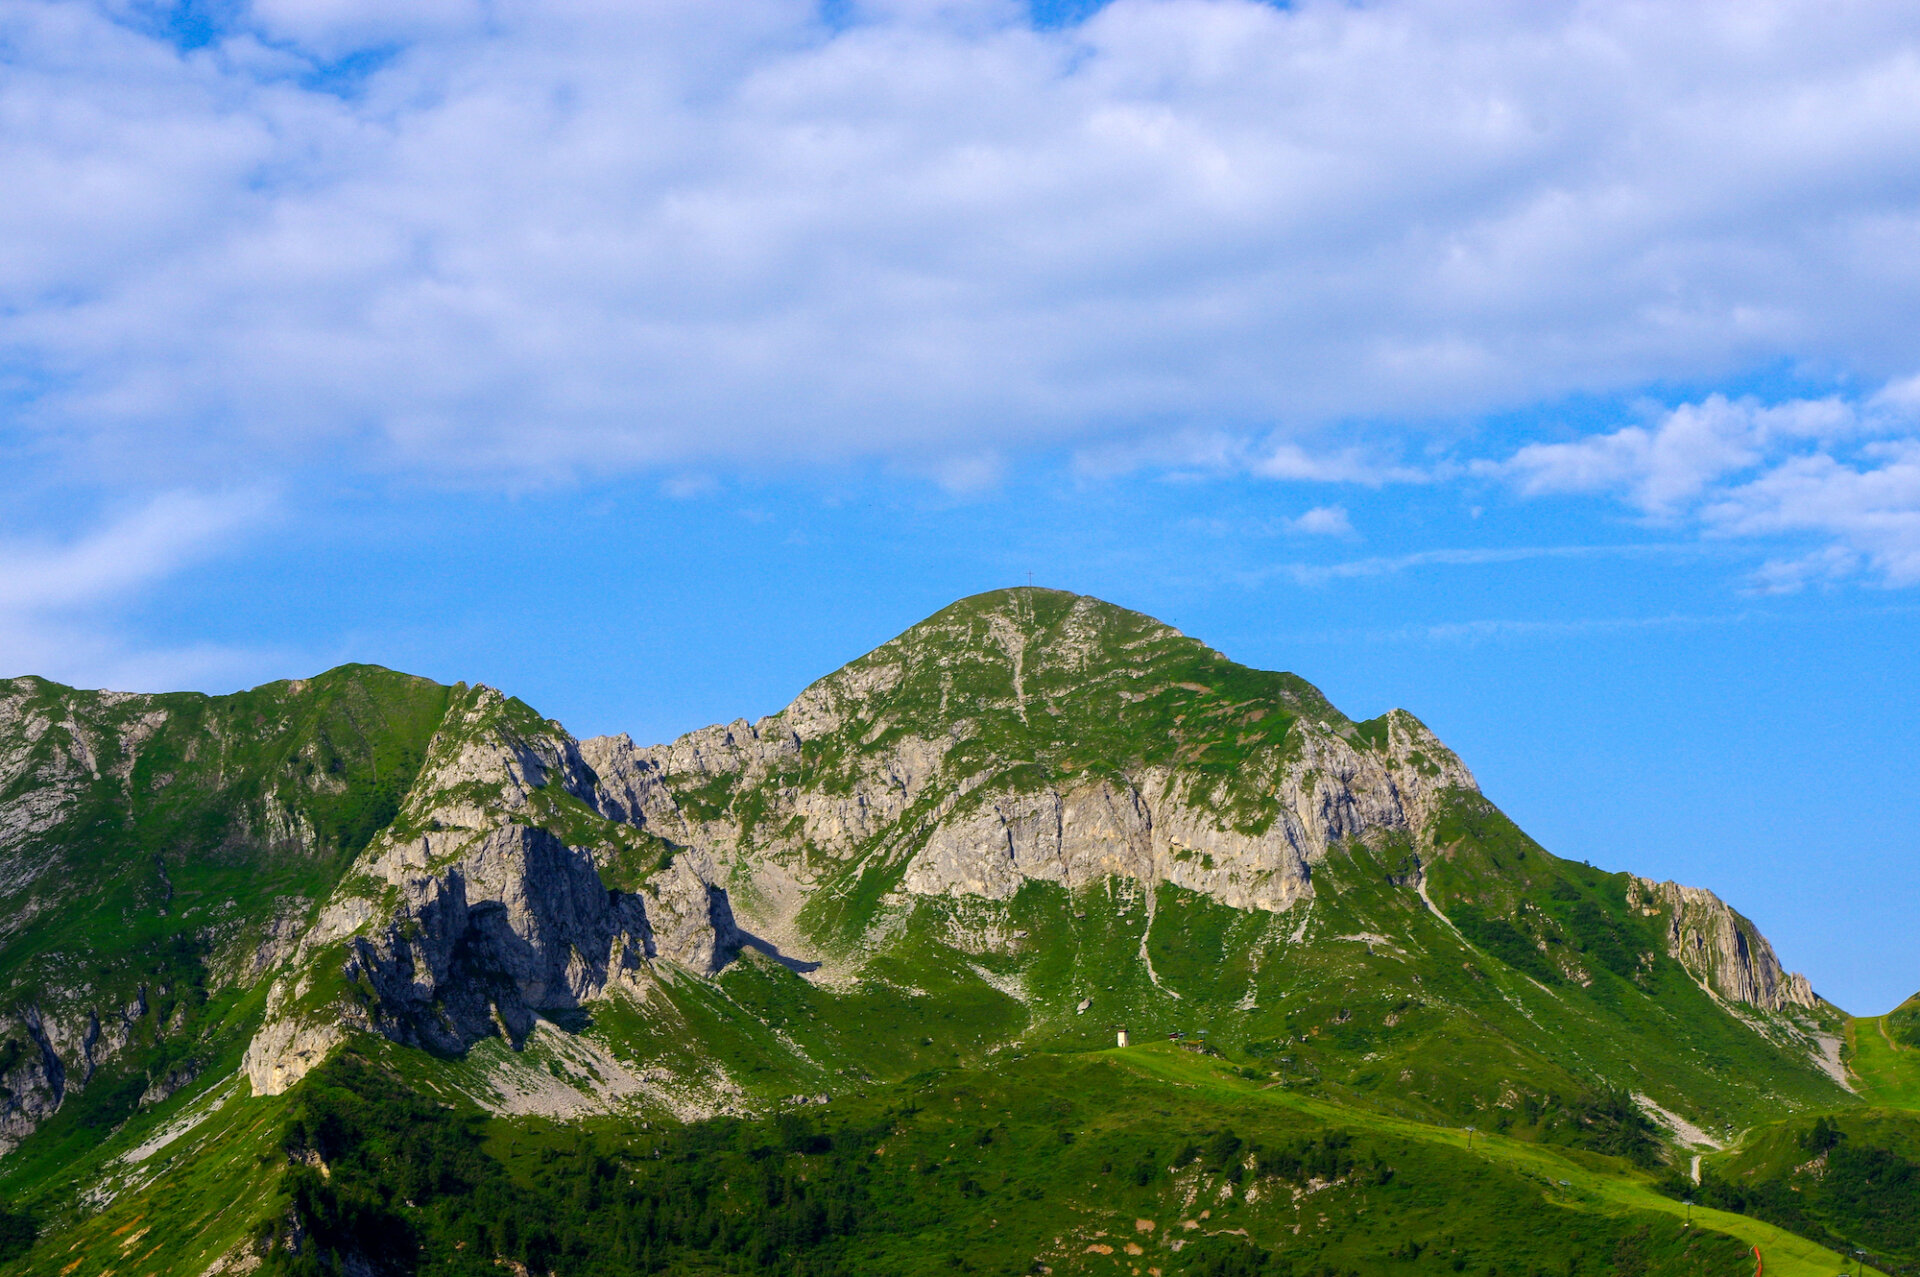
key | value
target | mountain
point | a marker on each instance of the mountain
(249, 938)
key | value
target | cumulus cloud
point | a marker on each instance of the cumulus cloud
(1868, 511)
(1668, 465)
(1323, 521)
(528, 240)
(1842, 474)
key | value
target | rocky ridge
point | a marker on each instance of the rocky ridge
(1720, 948)
(882, 760)
(110, 789)
(465, 919)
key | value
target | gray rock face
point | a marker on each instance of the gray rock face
(1003, 840)
(1153, 831)
(984, 842)
(474, 928)
(631, 788)
(519, 924)
(32, 1075)
(689, 916)
(1723, 951)
(46, 1055)
(286, 1049)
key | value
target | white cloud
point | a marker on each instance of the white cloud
(530, 239)
(1290, 461)
(689, 487)
(1216, 453)
(133, 551)
(1323, 521)
(1390, 565)
(1844, 475)
(1670, 464)
(1869, 511)
(57, 599)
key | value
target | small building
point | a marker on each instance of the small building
(1123, 1037)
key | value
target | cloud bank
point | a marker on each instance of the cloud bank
(520, 241)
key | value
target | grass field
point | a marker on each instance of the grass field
(1885, 1074)
(1564, 1181)
(1050, 1160)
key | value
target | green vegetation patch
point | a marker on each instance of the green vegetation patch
(1849, 1180)
(1903, 1023)
(1071, 1165)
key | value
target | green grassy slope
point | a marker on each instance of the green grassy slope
(1849, 1179)
(1565, 1179)
(1850, 1176)
(1111, 1162)
(1883, 1056)
(182, 1185)
(195, 832)
(1424, 1024)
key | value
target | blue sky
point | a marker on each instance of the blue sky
(1547, 370)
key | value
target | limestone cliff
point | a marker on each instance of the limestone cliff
(468, 917)
(966, 751)
(1722, 950)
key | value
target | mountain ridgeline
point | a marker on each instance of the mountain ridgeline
(235, 928)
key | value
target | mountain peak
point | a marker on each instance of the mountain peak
(992, 642)
(1061, 682)
(1049, 618)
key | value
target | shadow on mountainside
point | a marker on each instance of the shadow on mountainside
(799, 966)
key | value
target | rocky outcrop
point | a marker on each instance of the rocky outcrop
(1079, 837)
(50, 1050)
(488, 758)
(632, 786)
(1003, 840)
(475, 927)
(517, 926)
(985, 841)
(170, 1083)
(287, 1048)
(1156, 830)
(33, 1080)
(1723, 951)
(689, 915)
